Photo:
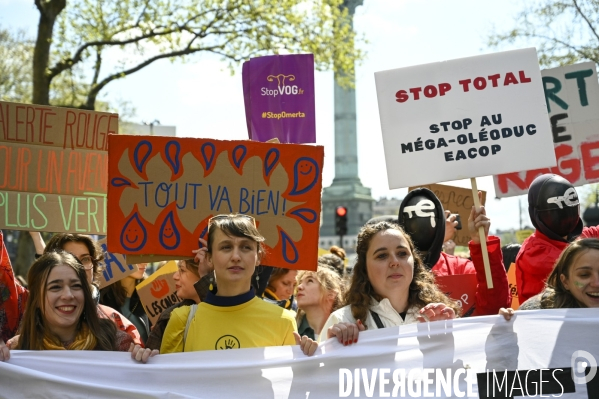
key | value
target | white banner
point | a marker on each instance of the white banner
(572, 96)
(464, 118)
(544, 352)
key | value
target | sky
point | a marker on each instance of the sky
(202, 99)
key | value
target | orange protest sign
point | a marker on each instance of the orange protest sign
(158, 291)
(53, 168)
(460, 288)
(457, 200)
(511, 280)
(162, 191)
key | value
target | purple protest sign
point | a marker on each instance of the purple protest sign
(245, 77)
(281, 94)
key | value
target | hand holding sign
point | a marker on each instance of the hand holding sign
(478, 219)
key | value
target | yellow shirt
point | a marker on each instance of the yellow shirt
(251, 324)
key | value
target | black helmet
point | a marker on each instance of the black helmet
(553, 207)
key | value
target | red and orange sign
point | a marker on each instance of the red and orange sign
(460, 288)
(162, 191)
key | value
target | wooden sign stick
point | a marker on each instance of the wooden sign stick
(481, 234)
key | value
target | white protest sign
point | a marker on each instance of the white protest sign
(475, 357)
(464, 118)
(572, 96)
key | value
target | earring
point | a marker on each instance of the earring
(211, 287)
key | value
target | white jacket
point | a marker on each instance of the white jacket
(389, 316)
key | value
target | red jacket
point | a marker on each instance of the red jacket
(536, 259)
(488, 301)
(13, 296)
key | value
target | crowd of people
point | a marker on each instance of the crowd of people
(231, 299)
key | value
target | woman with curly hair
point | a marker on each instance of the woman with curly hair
(390, 286)
(319, 294)
(573, 282)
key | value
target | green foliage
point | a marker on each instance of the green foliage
(15, 66)
(99, 41)
(564, 32)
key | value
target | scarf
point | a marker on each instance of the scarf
(84, 340)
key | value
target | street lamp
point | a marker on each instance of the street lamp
(151, 124)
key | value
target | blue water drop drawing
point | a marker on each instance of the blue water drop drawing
(270, 160)
(147, 147)
(119, 182)
(169, 235)
(289, 246)
(208, 158)
(308, 215)
(305, 175)
(237, 157)
(174, 162)
(134, 235)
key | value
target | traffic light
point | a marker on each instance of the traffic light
(341, 220)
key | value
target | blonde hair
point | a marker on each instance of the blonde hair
(329, 281)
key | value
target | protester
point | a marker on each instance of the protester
(186, 276)
(390, 286)
(60, 312)
(319, 293)
(423, 218)
(280, 288)
(232, 316)
(554, 210)
(573, 282)
(87, 251)
(123, 296)
(84, 248)
(335, 260)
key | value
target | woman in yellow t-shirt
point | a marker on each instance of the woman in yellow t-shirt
(232, 317)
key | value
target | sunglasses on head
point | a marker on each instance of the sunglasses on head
(233, 216)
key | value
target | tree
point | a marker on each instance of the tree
(564, 32)
(84, 38)
(15, 66)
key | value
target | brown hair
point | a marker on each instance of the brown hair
(58, 241)
(329, 281)
(32, 327)
(422, 290)
(236, 225)
(277, 274)
(555, 295)
(192, 265)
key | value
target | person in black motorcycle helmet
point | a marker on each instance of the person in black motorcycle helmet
(422, 216)
(554, 210)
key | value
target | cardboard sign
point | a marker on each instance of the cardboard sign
(572, 98)
(278, 93)
(456, 200)
(460, 288)
(158, 291)
(511, 280)
(162, 192)
(53, 168)
(115, 267)
(464, 118)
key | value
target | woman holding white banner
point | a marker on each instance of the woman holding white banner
(390, 286)
(573, 283)
(61, 314)
(232, 316)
